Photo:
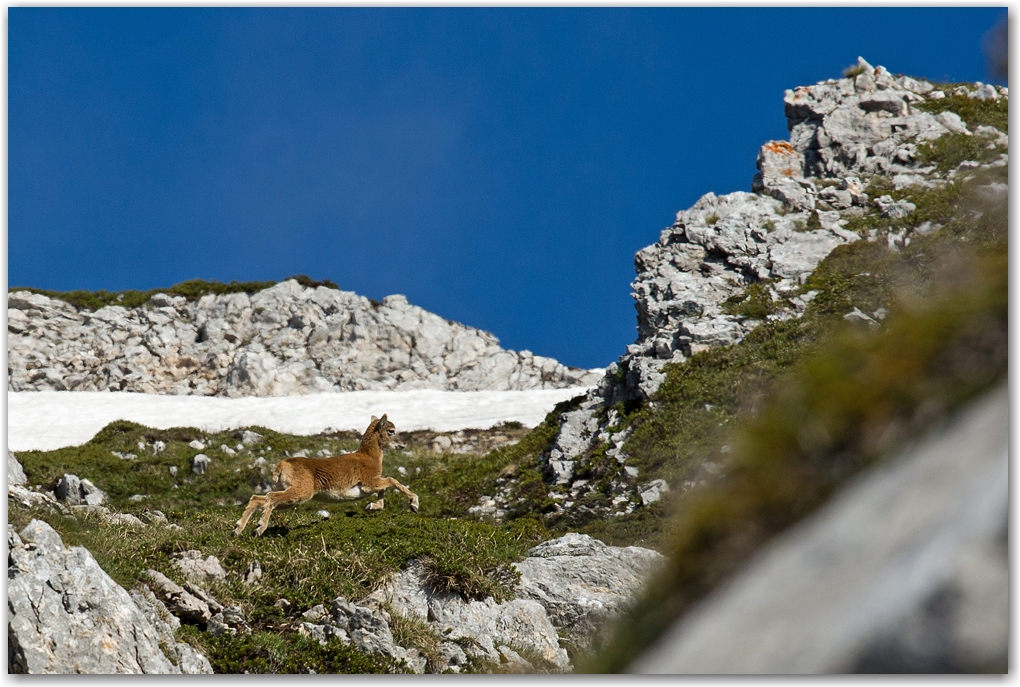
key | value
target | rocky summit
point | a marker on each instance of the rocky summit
(283, 340)
(692, 286)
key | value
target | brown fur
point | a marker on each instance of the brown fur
(347, 477)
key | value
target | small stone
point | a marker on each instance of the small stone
(173, 470)
(199, 463)
(315, 613)
(324, 514)
(252, 573)
(248, 438)
(653, 491)
(197, 445)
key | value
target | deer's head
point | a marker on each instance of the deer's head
(386, 432)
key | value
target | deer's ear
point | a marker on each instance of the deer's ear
(382, 421)
(374, 419)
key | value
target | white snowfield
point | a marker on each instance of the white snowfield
(47, 420)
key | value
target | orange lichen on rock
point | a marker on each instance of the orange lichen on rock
(779, 147)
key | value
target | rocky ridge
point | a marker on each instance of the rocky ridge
(283, 340)
(843, 133)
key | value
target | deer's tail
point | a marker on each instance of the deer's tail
(278, 470)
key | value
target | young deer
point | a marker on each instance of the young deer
(342, 478)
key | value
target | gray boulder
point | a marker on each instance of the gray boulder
(182, 603)
(15, 473)
(480, 627)
(79, 492)
(366, 628)
(582, 583)
(199, 463)
(904, 571)
(186, 657)
(197, 568)
(65, 615)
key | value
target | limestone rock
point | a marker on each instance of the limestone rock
(199, 463)
(181, 603)
(906, 570)
(480, 625)
(15, 472)
(366, 628)
(65, 615)
(518, 622)
(283, 340)
(582, 583)
(186, 657)
(79, 492)
(843, 132)
(198, 569)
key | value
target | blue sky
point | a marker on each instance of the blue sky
(497, 166)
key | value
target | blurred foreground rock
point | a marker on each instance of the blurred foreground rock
(904, 571)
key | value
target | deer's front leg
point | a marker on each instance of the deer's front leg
(253, 503)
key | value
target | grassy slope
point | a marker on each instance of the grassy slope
(304, 559)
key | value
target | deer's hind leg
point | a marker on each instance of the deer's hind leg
(381, 484)
(254, 503)
(291, 496)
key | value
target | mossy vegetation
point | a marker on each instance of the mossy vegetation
(192, 290)
(948, 151)
(971, 110)
(755, 302)
(853, 71)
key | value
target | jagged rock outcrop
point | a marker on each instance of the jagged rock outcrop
(906, 570)
(283, 340)
(65, 614)
(842, 133)
(570, 585)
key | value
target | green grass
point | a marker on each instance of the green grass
(948, 151)
(853, 71)
(304, 559)
(192, 290)
(755, 302)
(971, 110)
(272, 652)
